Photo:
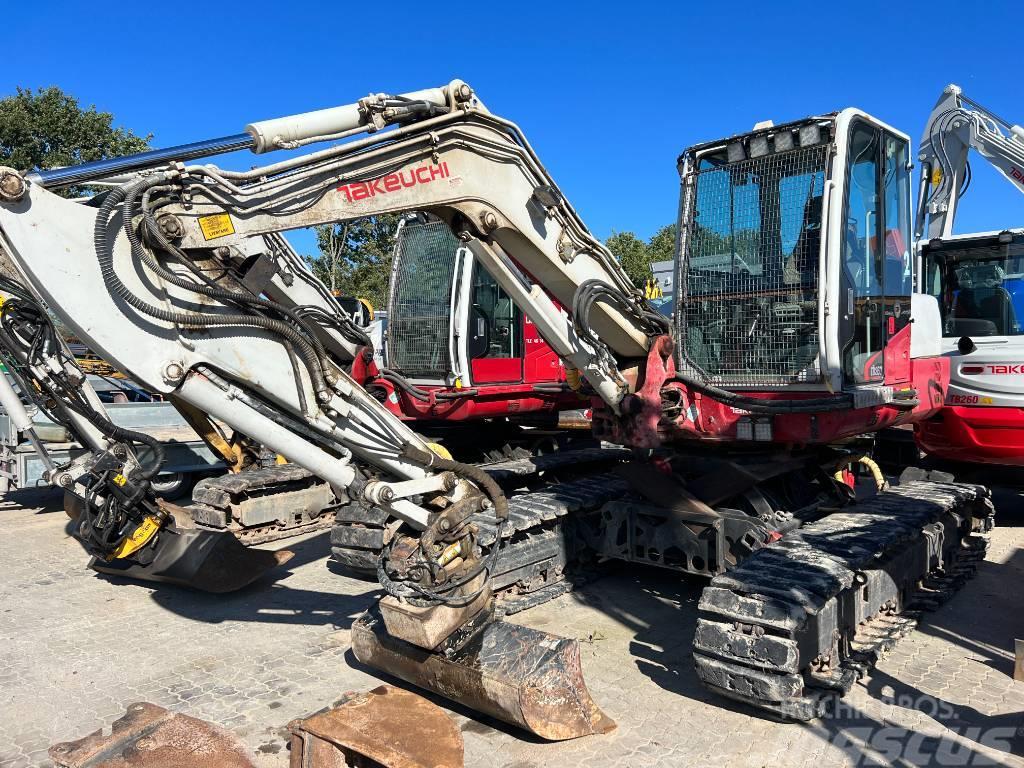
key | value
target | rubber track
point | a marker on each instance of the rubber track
(511, 470)
(532, 519)
(212, 502)
(798, 621)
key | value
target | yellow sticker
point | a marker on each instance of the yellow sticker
(216, 226)
(986, 401)
(120, 480)
(136, 539)
(936, 178)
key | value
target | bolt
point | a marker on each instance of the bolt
(174, 372)
(490, 221)
(222, 252)
(387, 495)
(120, 452)
(445, 524)
(463, 93)
(12, 185)
(65, 480)
(170, 226)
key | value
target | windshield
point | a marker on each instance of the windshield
(980, 289)
(749, 272)
(419, 313)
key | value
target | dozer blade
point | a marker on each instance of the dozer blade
(519, 675)
(388, 726)
(210, 561)
(148, 736)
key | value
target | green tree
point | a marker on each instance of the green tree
(48, 128)
(636, 256)
(633, 254)
(355, 257)
(662, 245)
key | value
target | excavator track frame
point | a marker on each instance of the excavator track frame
(800, 620)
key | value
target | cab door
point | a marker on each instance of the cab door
(494, 336)
(876, 267)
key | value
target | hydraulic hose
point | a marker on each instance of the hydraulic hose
(423, 395)
(757, 405)
(213, 291)
(497, 497)
(105, 257)
(476, 475)
(43, 342)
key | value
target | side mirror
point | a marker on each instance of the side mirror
(965, 345)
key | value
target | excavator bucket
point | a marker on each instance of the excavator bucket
(148, 736)
(210, 561)
(516, 674)
(386, 727)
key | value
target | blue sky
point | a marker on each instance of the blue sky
(609, 95)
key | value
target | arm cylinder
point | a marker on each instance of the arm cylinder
(268, 135)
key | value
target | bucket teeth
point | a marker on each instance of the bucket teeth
(516, 674)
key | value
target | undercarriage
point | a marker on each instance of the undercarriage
(807, 588)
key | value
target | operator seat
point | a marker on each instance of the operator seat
(996, 306)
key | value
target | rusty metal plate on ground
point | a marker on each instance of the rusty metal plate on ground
(520, 675)
(149, 736)
(389, 726)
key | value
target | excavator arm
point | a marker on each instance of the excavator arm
(955, 127)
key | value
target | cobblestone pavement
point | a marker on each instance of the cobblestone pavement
(76, 649)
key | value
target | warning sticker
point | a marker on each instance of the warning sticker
(216, 226)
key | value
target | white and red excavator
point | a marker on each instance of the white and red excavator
(797, 328)
(979, 281)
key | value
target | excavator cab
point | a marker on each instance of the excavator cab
(979, 282)
(455, 335)
(796, 277)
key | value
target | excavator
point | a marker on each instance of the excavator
(457, 347)
(979, 281)
(797, 328)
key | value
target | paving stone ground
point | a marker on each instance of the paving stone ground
(76, 649)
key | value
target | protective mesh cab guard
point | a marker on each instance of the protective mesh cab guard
(419, 312)
(748, 276)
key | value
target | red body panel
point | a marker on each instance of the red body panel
(987, 435)
(491, 401)
(540, 364)
(702, 417)
(495, 370)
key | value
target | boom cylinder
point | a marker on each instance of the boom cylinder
(102, 169)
